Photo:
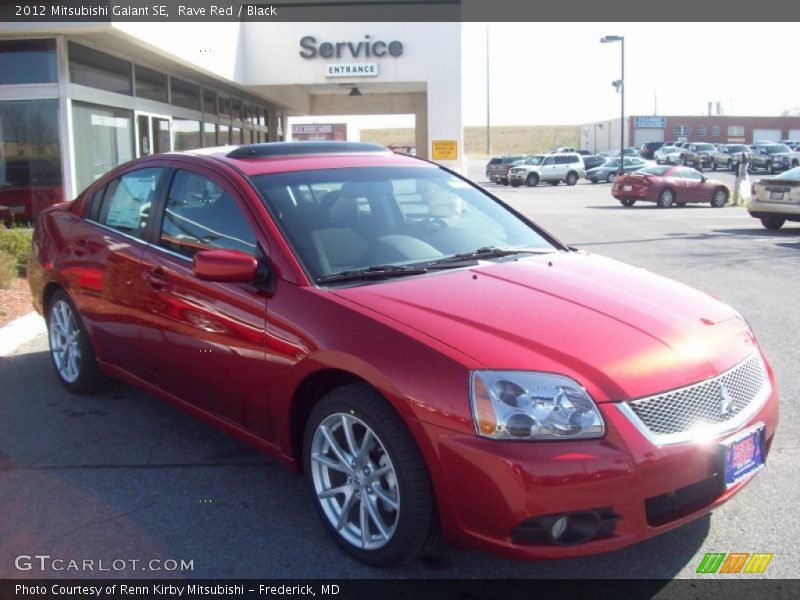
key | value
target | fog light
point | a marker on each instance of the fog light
(558, 527)
(574, 528)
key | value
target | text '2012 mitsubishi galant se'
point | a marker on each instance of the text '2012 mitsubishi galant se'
(429, 358)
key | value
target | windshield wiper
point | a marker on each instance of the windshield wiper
(487, 252)
(375, 272)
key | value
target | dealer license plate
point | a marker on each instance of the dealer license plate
(776, 196)
(744, 454)
(627, 188)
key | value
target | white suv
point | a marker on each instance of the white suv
(552, 168)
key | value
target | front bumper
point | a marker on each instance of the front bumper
(486, 489)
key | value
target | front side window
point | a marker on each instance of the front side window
(201, 215)
(689, 174)
(550, 160)
(127, 201)
(355, 218)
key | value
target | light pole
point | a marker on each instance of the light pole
(619, 84)
(488, 112)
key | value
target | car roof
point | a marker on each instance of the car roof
(281, 157)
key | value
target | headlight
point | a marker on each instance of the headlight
(525, 405)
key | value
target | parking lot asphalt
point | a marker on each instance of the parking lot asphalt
(123, 475)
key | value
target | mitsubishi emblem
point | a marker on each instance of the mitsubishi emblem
(725, 401)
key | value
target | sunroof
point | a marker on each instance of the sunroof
(294, 148)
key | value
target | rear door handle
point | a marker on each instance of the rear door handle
(157, 279)
(79, 247)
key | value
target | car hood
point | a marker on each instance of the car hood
(621, 331)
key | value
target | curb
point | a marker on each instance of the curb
(20, 331)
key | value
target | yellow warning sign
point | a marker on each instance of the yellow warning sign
(445, 150)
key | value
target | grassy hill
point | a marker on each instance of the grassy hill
(512, 139)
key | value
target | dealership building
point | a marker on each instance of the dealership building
(717, 129)
(78, 99)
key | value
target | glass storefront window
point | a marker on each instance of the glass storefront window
(99, 70)
(187, 134)
(185, 94)
(30, 159)
(28, 61)
(103, 140)
(223, 135)
(209, 135)
(151, 84)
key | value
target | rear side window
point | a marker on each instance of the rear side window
(201, 215)
(127, 201)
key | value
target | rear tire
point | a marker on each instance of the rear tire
(572, 178)
(611, 177)
(71, 349)
(515, 184)
(357, 448)
(532, 180)
(772, 223)
(770, 168)
(666, 198)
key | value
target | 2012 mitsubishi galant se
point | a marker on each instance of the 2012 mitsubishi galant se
(429, 358)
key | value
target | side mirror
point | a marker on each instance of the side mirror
(227, 266)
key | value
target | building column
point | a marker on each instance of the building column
(421, 124)
(65, 128)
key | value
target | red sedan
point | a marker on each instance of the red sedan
(427, 357)
(667, 186)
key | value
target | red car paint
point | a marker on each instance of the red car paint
(245, 359)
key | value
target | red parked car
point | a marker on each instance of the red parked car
(425, 355)
(667, 186)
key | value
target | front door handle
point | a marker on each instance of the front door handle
(157, 279)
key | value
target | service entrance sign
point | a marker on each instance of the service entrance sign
(351, 70)
(444, 149)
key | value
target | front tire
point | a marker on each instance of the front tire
(772, 223)
(371, 484)
(666, 198)
(71, 349)
(515, 184)
(627, 202)
(611, 177)
(719, 198)
(532, 180)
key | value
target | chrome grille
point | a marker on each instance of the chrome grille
(717, 404)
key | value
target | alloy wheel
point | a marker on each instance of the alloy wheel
(355, 481)
(64, 341)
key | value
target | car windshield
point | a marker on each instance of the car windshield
(777, 149)
(669, 149)
(790, 174)
(704, 147)
(534, 160)
(341, 220)
(511, 159)
(740, 148)
(656, 170)
(614, 162)
(496, 161)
